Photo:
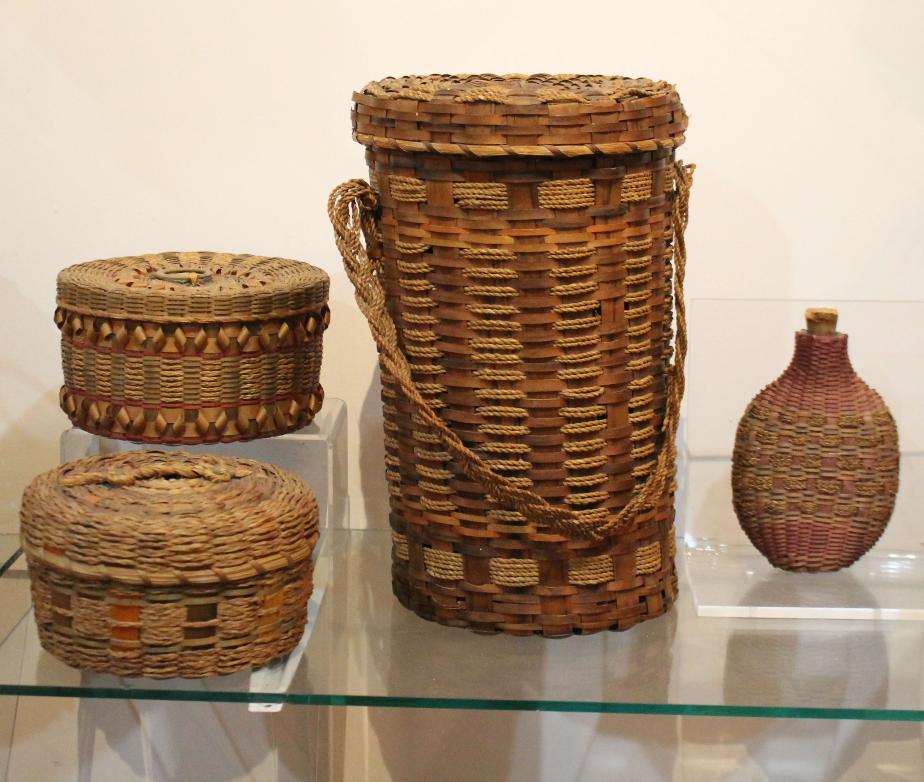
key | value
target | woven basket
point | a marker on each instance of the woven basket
(517, 277)
(154, 564)
(816, 460)
(191, 347)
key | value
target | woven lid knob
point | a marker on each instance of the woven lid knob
(821, 321)
(183, 276)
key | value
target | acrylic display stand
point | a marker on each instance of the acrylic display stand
(317, 454)
(726, 367)
(156, 732)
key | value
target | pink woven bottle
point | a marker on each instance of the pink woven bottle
(815, 466)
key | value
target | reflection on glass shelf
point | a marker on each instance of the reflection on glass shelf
(367, 650)
(736, 581)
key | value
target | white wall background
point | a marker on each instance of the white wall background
(130, 127)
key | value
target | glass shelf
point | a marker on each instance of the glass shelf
(366, 650)
(736, 581)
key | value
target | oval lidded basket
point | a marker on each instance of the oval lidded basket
(153, 564)
(523, 253)
(191, 347)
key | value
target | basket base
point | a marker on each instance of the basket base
(177, 631)
(804, 568)
(520, 611)
(187, 665)
(813, 545)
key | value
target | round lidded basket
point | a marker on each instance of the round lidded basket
(154, 564)
(191, 347)
(523, 255)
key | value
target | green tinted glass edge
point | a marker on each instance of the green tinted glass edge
(10, 560)
(380, 701)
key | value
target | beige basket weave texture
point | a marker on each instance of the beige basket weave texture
(191, 347)
(155, 564)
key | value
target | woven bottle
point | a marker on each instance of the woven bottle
(815, 465)
(523, 255)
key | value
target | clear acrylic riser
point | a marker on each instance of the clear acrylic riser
(317, 454)
(737, 347)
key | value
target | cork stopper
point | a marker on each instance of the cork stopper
(821, 321)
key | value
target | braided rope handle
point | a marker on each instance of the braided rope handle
(131, 476)
(352, 210)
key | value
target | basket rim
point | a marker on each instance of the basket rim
(489, 115)
(209, 287)
(518, 88)
(268, 505)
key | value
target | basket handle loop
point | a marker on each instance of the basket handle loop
(131, 476)
(352, 208)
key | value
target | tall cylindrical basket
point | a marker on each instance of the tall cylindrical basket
(523, 256)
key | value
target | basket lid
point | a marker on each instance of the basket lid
(193, 287)
(161, 519)
(542, 114)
